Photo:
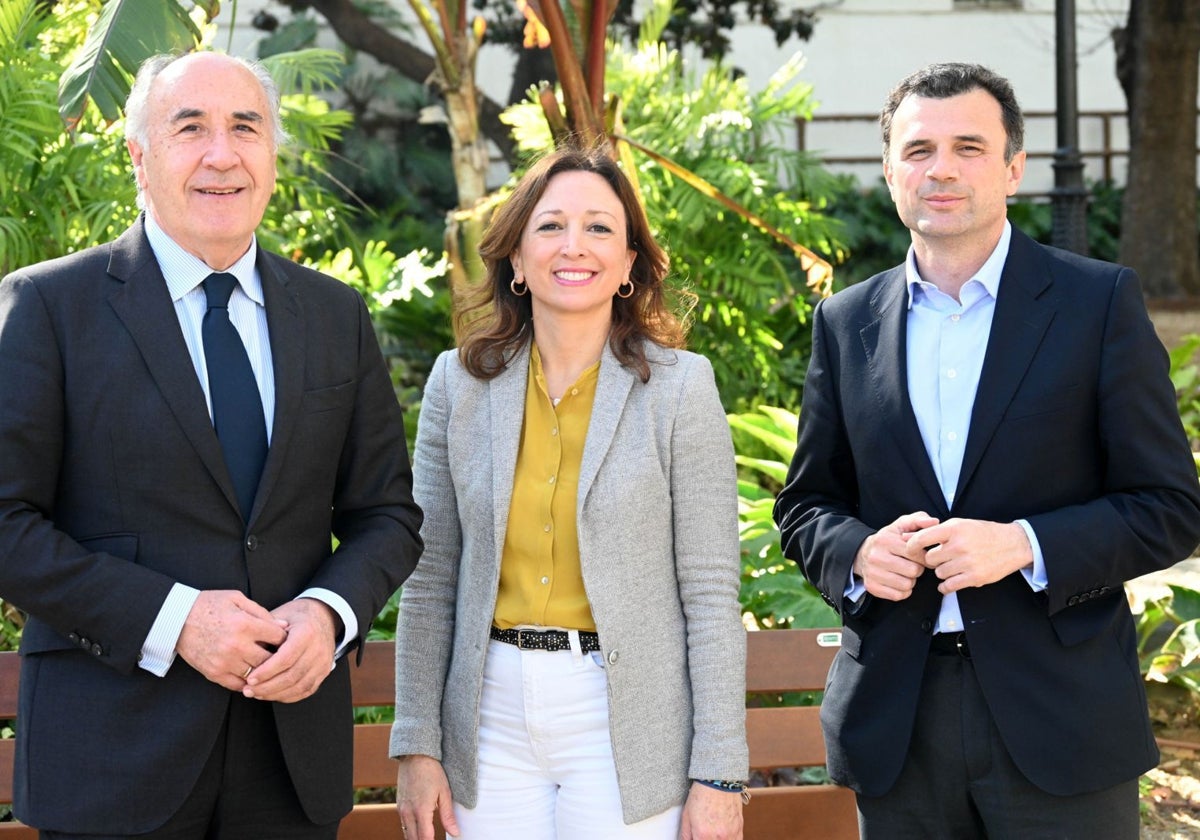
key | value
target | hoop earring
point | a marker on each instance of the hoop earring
(628, 283)
(519, 292)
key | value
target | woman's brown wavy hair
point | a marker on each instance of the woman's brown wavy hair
(492, 323)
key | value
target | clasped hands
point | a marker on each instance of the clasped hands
(288, 650)
(963, 553)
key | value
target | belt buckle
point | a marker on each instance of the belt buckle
(520, 642)
(960, 645)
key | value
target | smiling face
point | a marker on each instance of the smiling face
(207, 169)
(574, 251)
(946, 170)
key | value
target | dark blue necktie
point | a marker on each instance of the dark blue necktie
(236, 403)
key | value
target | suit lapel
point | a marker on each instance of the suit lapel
(884, 342)
(1023, 312)
(286, 328)
(506, 397)
(612, 390)
(144, 306)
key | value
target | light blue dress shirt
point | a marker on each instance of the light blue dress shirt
(185, 273)
(946, 344)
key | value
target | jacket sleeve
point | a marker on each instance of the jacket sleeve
(817, 508)
(425, 627)
(375, 518)
(707, 561)
(1147, 513)
(90, 592)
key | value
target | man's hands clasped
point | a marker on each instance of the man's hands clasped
(963, 553)
(281, 655)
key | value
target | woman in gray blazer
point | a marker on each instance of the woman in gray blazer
(570, 655)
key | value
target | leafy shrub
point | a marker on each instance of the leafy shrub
(1168, 630)
(1185, 376)
(773, 591)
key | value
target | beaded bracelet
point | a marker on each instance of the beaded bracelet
(727, 787)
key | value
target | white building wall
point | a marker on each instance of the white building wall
(860, 48)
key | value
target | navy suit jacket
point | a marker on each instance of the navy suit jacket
(114, 487)
(1075, 429)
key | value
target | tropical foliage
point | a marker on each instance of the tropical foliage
(57, 193)
(773, 591)
(1185, 376)
(1168, 630)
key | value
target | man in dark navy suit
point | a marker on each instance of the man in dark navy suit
(989, 447)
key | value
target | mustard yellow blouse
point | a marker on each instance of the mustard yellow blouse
(541, 581)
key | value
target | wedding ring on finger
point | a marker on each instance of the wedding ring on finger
(249, 668)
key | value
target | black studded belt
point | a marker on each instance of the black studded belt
(950, 644)
(545, 639)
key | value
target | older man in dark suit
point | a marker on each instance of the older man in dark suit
(989, 447)
(187, 421)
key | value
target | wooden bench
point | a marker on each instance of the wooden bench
(777, 661)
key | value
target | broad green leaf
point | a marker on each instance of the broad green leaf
(1188, 639)
(780, 441)
(1185, 603)
(126, 33)
(774, 469)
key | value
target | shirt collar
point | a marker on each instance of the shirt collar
(987, 276)
(184, 271)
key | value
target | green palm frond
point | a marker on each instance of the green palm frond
(126, 33)
(307, 70)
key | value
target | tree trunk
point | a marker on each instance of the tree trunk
(1158, 59)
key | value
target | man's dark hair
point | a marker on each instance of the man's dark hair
(941, 81)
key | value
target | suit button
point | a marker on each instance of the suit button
(85, 642)
(612, 657)
(927, 626)
(1085, 596)
(1073, 600)
(251, 542)
(97, 650)
(74, 638)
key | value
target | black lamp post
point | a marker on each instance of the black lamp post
(1069, 197)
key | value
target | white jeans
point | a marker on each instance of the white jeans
(546, 768)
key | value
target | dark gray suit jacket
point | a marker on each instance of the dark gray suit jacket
(113, 488)
(1075, 429)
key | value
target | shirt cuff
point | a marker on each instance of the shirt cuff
(158, 651)
(338, 604)
(855, 589)
(1036, 576)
